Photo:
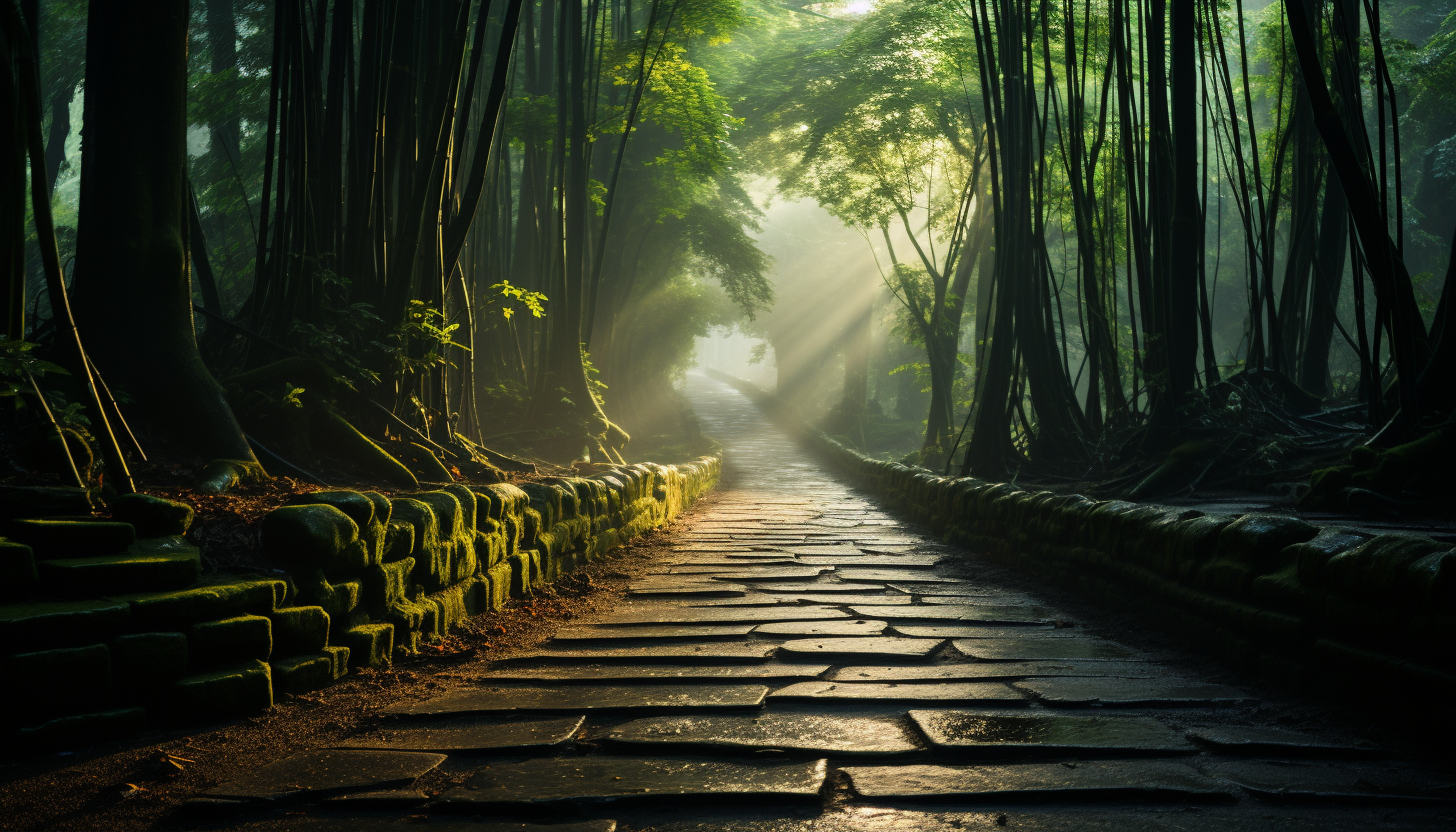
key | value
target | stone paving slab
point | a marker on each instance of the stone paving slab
(770, 672)
(821, 628)
(992, 671)
(319, 773)
(961, 613)
(1131, 692)
(850, 600)
(873, 561)
(1033, 649)
(1018, 734)
(986, 695)
(825, 586)
(590, 698)
(898, 576)
(1291, 781)
(805, 733)
(1259, 739)
(587, 780)
(690, 653)
(707, 587)
(753, 572)
(458, 735)
(673, 632)
(1122, 780)
(862, 648)
(709, 565)
(982, 631)
(677, 614)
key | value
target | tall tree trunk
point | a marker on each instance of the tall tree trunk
(133, 289)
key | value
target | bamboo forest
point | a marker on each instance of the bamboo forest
(369, 328)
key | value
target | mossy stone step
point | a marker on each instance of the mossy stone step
(18, 577)
(241, 690)
(152, 516)
(300, 674)
(370, 645)
(299, 630)
(71, 538)
(37, 624)
(205, 602)
(50, 683)
(229, 641)
(152, 564)
(43, 501)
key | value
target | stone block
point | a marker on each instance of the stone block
(1310, 556)
(43, 501)
(339, 657)
(152, 516)
(241, 690)
(18, 576)
(71, 538)
(155, 564)
(318, 536)
(54, 623)
(48, 683)
(300, 674)
(388, 584)
(207, 602)
(502, 581)
(145, 662)
(1430, 583)
(358, 506)
(299, 630)
(370, 645)
(1258, 539)
(79, 730)
(1376, 569)
(229, 641)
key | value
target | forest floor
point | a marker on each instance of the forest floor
(842, 754)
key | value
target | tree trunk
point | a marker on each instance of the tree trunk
(133, 289)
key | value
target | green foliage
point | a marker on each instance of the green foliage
(421, 341)
(17, 365)
(507, 299)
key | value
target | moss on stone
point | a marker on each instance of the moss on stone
(150, 565)
(241, 690)
(47, 683)
(300, 674)
(206, 602)
(52, 623)
(370, 645)
(339, 657)
(152, 516)
(299, 630)
(43, 501)
(319, 536)
(229, 641)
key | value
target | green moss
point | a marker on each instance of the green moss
(300, 674)
(71, 538)
(356, 505)
(339, 657)
(49, 623)
(298, 630)
(318, 536)
(229, 641)
(152, 516)
(370, 645)
(149, 565)
(240, 690)
(207, 602)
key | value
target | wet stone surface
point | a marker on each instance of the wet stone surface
(1017, 734)
(803, 662)
(807, 733)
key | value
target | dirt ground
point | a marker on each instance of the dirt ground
(133, 784)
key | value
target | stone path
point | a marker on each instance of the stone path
(806, 662)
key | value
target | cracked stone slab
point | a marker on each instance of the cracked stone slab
(710, 565)
(709, 588)
(804, 733)
(665, 614)
(659, 673)
(873, 561)
(821, 628)
(1015, 734)
(965, 614)
(319, 773)
(849, 600)
(983, 694)
(571, 698)
(579, 780)
(862, 648)
(837, 551)
(474, 735)
(982, 631)
(992, 671)
(816, 587)
(1033, 649)
(750, 572)
(1131, 692)
(1289, 781)
(757, 598)
(710, 653)
(896, 576)
(607, 632)
(1122, 780)
(1258, 739)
